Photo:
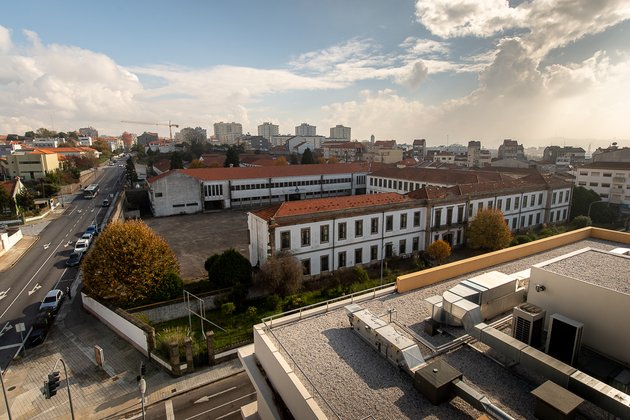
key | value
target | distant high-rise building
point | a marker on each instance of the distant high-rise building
(305, 130)
(88, 132)
(340, 132)
(228, 133)
(267, 130)
(510, 149)
(474, 152)
(419, 148)
(372, 139)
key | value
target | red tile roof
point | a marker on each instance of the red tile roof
(438, 176)
(331, 204)
(221, 174)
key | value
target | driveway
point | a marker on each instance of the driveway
(195, 237)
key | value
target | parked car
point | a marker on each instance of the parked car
(87, 236)
(82, 245)
(74, 259)
(52, 301)
(93, 229)
(106, 203)
(41, 326)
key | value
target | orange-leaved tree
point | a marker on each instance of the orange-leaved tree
(439, 250)
(130, 264)
(488, 230)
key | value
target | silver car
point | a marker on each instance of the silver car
(52, 301)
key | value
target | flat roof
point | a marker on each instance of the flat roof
(353, 381)
(595, 267)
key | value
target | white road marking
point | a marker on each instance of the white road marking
(222, 405)
(207, 397)
(34, 289)
(168, 406)
(3, 294)
(60, 278)
(228, 414)
(10, 346)
(6, 328)
(46, 245)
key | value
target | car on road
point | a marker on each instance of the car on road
(74, 259)
(88, 236)
(82, 245)
(41, 326)
(106, 203)
(93, 229)
(52, 301)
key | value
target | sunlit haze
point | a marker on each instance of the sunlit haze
(541, 72)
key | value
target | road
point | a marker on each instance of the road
(43, 268)
(219, 400)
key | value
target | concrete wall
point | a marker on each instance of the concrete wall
(180, 194)
(170, 311)
(8, 239)
(127, 330)
(434, 275)
(602, 311)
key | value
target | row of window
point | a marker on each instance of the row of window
(185, 205)
(324, 260)
(603, 185)
(395, 184)
(286, 184)
(597, 173)
(213, 190)
(342, 230)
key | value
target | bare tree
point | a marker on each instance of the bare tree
(281, 274)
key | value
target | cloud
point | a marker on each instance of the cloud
(415, 76)
(5, 39)
(458, 18)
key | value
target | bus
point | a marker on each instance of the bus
(90, 191)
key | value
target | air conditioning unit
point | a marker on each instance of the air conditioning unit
(528, 322)
(564, 338)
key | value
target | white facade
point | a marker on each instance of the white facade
(175, 194)
(85, 141)
(280, 140)
(305, 130)
(299, 143)
(42, 142)
(610, 180)
(268, 130)
(341, 132)
(228, 133)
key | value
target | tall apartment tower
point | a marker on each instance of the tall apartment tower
(340, 132)
(510, 149)
(305, 130)
(228, 133)
(419, 148)
(474, 150)
(267, 130)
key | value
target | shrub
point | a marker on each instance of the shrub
(581, 222)
(251, 311)
(488, 230)
(273, 302)
(228, 308)
(281, 274)
(171, 287)
(439, 250)
(292, 302)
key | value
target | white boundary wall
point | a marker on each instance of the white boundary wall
(133, 334)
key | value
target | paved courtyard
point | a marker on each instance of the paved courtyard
(195, 237)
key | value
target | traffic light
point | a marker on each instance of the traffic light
(51, 385)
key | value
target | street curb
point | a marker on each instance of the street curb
(22, 254)
(174, 394)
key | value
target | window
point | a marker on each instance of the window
(374, 252)
(374, 225)
(157, 194)
(537, 218)
(415, 244)
(480, 207)
(553, 198)
(358, 256)
(592, 184)
(531, 219)
(524, 201)
(323, 234)
(306, 267)
(607, 174)
(604, 185)
(341, 229)
(389, 223)
(560, 199)
(540, 199)
(389, 250)
(438, 218)
(323, 263)
(285, 240)
(358, 228)
(449, 216)
(514, 222)
(508, 204)
(490, 204)
(584, 173)
(516, 202)
(500, 204)
(564, 214)
(342, 259)
(305, 234)
(522, 221)
(402, 247)
(403, 221)
(582, 183)
(416, 218)
(460, 214)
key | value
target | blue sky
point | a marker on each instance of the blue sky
(539, 72)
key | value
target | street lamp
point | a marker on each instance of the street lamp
(143, 389)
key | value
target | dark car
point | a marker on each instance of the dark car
(42, 324)
(106, 203)
(74, 259)
(93, 229)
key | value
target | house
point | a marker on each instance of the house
(32, 164)
(611, 180)
(13, 188)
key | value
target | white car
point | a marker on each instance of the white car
(52, 301)
(82, 245)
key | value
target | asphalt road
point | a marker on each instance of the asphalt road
(43, 268)
(219, 400)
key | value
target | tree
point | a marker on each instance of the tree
(281, 274)
(25, 200)
(231, 158)
(281, 161)
(488, 230)
(581, 200)
(130, 170)
(130, 264)
(176, 161)
(439, 250)
(229, 269)
(196, 163)
(307, 157)
(293, 159)
(6, 202)
(581, 222)
(45, 133)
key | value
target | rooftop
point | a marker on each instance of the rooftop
(352, 381)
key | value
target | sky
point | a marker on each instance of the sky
(541, 72)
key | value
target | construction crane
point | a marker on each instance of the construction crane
(170, 125)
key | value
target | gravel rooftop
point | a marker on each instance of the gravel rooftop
(351, 381)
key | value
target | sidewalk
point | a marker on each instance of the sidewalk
(97, 393)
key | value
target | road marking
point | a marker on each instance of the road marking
(168, 406)
(6, 328)
(46, 245)
(222, 405)
(207, 397)
(10, 346)
(3, 294)
(228, 414)
(34, 289)
(61, 277)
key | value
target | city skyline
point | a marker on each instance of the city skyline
(449, 72)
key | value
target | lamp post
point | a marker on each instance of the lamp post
(143, 389)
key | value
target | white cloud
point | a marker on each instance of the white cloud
(425, 47)
(5, 39)
(415, 76)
